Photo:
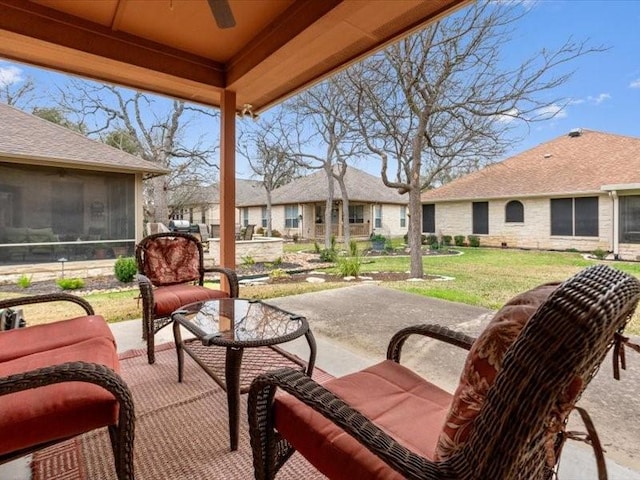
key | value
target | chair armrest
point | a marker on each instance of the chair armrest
(314, 395)
(232, 278)
(438, 332)
(53, 297)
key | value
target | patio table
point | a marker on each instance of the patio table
(236, 324)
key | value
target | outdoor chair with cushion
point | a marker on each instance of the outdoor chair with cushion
(59, 380)
(171, 275)
(506, 420)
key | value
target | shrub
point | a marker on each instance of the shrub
(430, 240)
(459, 240)
(350, 266)
(434, 246)
(276, 233)
(277, 262)
(599, 253)
(70, 283)
(125, 269)
(248, 260)
(474, 240)
(278, 273)
(328, 255)
(24, 281)
(353, 248)
(446, 240)
(260, 231)
(316, 246)
(295, 237)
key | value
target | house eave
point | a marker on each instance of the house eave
(76, 164)
(515, 196)
(620, 187)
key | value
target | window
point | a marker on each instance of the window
(191, 215)
(356, 213)
(203, 216)
(630, 219)
(480, 218)
(403, 216)
(245, 216)
(429, 218)
(574, 216)
(377, 217)
(514, 212)
(291, 216)
(264, 217)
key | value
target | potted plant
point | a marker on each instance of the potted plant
(377, 241)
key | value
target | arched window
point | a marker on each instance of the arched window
(514, 212)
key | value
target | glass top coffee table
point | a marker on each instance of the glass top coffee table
(237, 324)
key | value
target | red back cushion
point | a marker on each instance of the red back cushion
(171, 260)
(483, 364)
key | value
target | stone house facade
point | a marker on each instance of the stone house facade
(580, 191)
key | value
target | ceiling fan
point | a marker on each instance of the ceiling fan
(222, 13)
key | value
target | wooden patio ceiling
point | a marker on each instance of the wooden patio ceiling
(175, 48)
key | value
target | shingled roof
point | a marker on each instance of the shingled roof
(30, 138)
(361, 187)
(572, 164)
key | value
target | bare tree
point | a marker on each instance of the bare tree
(443, 101)
(151, 127)
(331, 143)
(265, 146)
(15, 90)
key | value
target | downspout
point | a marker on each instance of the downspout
(616, 224)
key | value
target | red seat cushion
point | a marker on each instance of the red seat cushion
(402, 403)
(57, 411)
(169, 299)
(41, 338)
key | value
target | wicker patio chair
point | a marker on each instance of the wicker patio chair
(394, 420)
(171, 274)
(59, 380)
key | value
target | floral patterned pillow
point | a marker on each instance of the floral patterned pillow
(482, 366)
(171, 260)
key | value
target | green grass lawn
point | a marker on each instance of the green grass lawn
(480, 276)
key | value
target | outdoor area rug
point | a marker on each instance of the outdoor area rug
(181, 429)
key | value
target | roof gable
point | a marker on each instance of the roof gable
(361, 187)
(565, 165)
(25, 136)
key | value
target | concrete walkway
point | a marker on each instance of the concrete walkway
(352, 326)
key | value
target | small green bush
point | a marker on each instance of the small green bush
(474, 241)
(350, 266)
(125, 269)
(316, 246)
(446, 240)
(328, 255)
(278, 273)
(599, 253)
(24, 281)
(353, 248)
(459, 240)
(434, 246)
(248, 260)
(277, 262)
(70, 283)
(430, 240)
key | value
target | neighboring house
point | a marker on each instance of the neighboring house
(202, 205)
(580, 191)
(298, 207)
(63, 195)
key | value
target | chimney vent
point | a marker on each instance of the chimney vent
(576, 132)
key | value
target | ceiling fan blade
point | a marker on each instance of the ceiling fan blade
(222, 13)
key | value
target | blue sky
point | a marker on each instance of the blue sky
(603, 93)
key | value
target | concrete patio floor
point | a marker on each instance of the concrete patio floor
(352, 326)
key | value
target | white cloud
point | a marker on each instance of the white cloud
(599, 99)
(10, 75)
(551, 111)
(635, 84)
(508, 116)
